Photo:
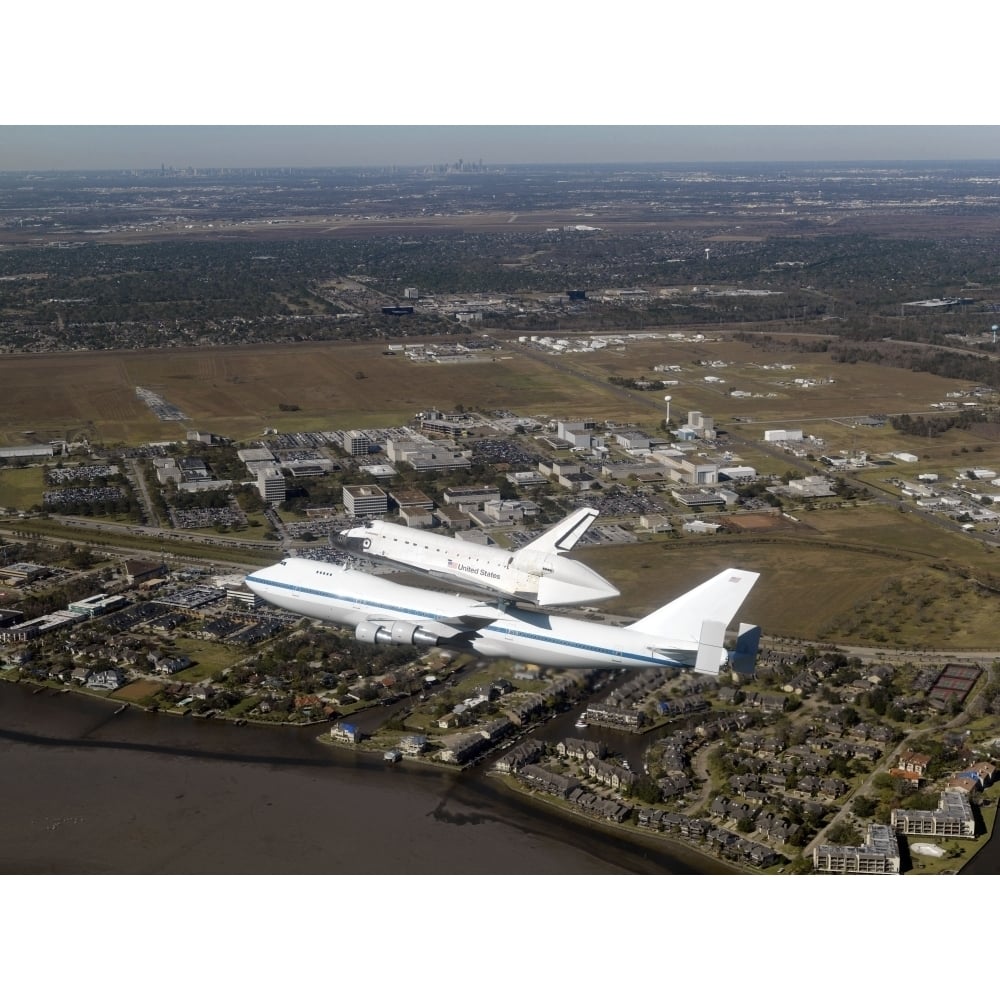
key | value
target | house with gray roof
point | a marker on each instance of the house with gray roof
(577, 749)
(520, 756)
(548, 781)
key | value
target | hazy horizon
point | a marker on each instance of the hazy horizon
(114, 147)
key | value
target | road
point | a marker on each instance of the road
(138, 481)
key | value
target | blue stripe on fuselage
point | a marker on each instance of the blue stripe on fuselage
(312, 592)
(499, 629)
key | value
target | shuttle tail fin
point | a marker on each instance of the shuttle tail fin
(563, 536)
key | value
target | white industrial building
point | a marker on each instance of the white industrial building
(27, 451)
(365, 501)
(424, 454)
(99, 604)
(700, 425)
(356, 442)
(633, 441)
(271, 485)
(810, 486)
(249, 455)
(878, 855)
(470, 497)
(952, 818)
(685, 470)
(738, 473)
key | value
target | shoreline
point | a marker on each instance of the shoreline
(480, 772)
(516, 790)
(626, 832)
(191, 797)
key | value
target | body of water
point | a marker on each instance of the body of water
(86, 790)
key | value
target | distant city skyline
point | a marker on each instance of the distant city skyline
(95, 147)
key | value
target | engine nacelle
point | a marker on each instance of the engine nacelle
(395, 634)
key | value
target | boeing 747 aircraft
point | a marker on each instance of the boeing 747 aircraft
(539, 572)
(687, 632)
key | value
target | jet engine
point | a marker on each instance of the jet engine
(395, 634)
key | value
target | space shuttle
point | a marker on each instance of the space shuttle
(538, 573)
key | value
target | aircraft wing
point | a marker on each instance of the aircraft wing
(474, 618)
(445, 628)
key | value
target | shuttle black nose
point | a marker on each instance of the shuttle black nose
(354, 546)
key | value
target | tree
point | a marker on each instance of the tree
(842, 833)
(864, 806)
(646, 790)
(842, 766)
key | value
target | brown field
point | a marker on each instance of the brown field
(619, 218)
(857, 389)
(137, 690)
(752, 522)
(867, 575)
(237, 391)
(864, 574)
(807, 587)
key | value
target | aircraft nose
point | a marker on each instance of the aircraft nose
(583, 576)
(352, 540)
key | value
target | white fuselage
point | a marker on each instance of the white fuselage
(545, 578)
(351, 598)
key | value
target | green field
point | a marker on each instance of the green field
(21, 489)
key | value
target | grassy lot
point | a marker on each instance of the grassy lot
(242, 707)
(138, 691)
(154, 546)
(249, 534)
(208, 658)
(852, 390)
(21, 488)
(237, 391)
(865, 575)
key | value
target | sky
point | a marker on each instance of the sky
(555, 82)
